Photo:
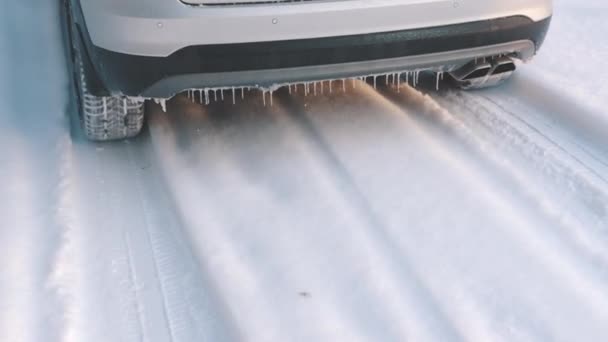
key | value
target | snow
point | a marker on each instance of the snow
(362, 214)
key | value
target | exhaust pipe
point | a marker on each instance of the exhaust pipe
(483, 74)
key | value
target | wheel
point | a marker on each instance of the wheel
(102, 118)
(106, 118)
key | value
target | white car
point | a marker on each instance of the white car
(127, 51)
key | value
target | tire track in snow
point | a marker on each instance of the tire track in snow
(64, 279)
(80, 273)
(141, 335)
(190, 315)
(382, 239)
(169, 146)
(579, 154)
(547, 246)
(154, 253)
(581, 124)
(125, 246)
(574, 181)
(531, 319)
(213, 228)
(351, 194)
(246, 134)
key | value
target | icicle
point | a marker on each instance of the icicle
(222, 93)
(344, 85)
(289, 86)
(322, 87)
(124, 106)
(271, 98)
(206, 96)
(439, 76)
(200, 96)
(398, 83)
(214, 95)
(264, 97)
(233, 96)
(375, 81)
(161, 102)
(242, 93)
(314, 87)
(330, 87)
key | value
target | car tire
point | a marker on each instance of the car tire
(101, 118)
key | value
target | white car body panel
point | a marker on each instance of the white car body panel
(157, 28)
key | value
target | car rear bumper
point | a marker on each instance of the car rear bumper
(267, 63)
(159, 28)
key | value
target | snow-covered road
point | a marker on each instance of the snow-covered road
(363, 215)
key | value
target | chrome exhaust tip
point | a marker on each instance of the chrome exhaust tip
(503, 65)
(486, 73)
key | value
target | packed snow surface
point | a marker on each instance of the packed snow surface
(388, 214)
